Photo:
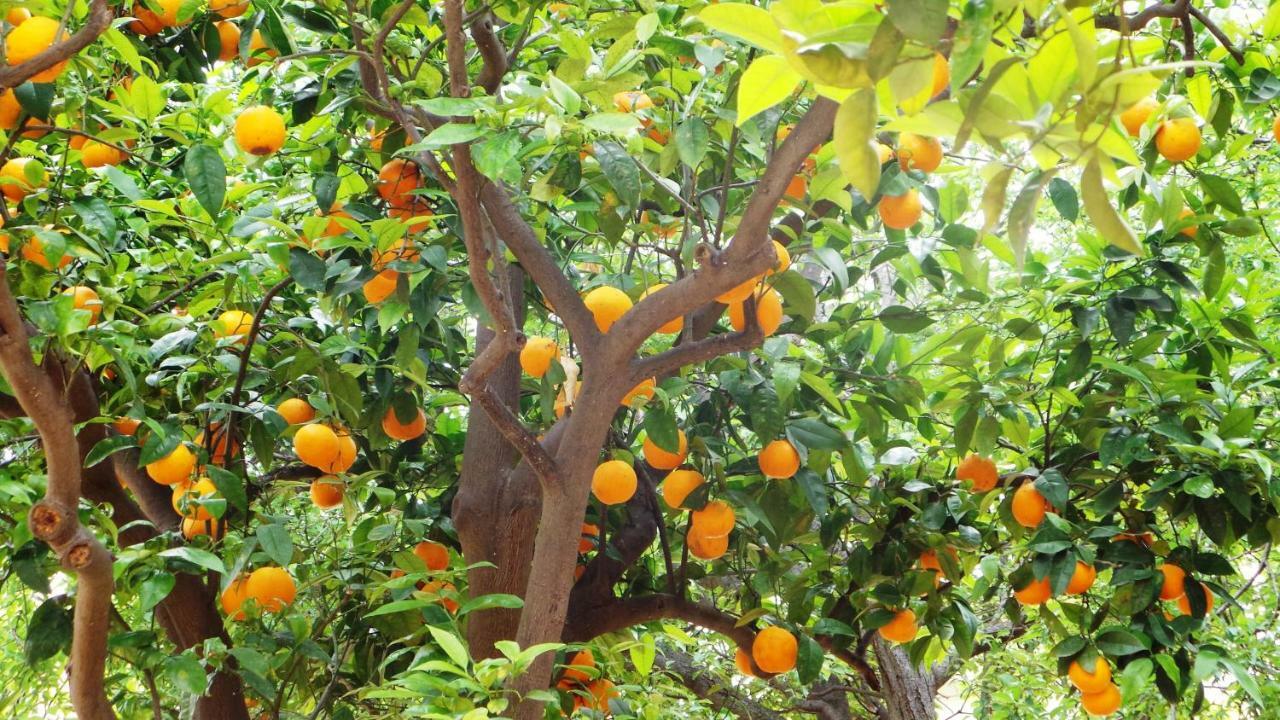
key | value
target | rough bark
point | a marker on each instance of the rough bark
(908, 692)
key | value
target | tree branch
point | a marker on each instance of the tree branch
(100, 16)
(1217, 33)
(1134, 23)
(491, 50)
(541, 462)
(708, 348)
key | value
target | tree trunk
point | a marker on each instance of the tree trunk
(908, 691)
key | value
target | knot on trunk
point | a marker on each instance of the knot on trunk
(51, 522)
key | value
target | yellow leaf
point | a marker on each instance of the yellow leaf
(1199, 90)
(753, 24)
(853, 136)
(1111, 226)
(993, 198)
(767, 81)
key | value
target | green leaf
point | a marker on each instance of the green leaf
(973, 34)
(36, 98)
(766, 82)
(621, 171)
(449, 134)
(207, 176)
(275, 541)
(660, 426)
(810, 659)
(1023, 213)
(798, 299)
(854, 138)
(451, 645)
(692, 141)
(1069, 647)
(814, 434)
(197, 557)
(1222, 191)
(1065, 199)
(488, 602)
(748, 22)
(108, 446)
(923, 21)
(306, 269)
(186, 672)
(97, 217)
(325, 188)
(156, 588)
(903, 320)
(48, 632)
(1118, 641)
(1111, 226)
(613, 123)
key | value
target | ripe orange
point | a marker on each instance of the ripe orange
(260, 130)
(174, 468)
(316, 444)
(1102, 703)
(1275, 128)
(602, 691)
(1184, 602)
(738, 293)
(169, 13)
(1037, 592)
(233, 597)
(84, 298)
(327, 492)
(663, 459)
(917, 152)
(901, 211)
(415, 214)
(673, 327)
(941, 75)
(678, 485)
(774, 650)
(397, 430)
(16, 16)
(97, 154)
(632, 101)
(233, 323)
(296, 411)
(1135, 117)
(444, 591)
(607, 305)
(18, 185)
(1081, 578)
(347, 451)
(145, 21)
(380, 286)
(433, 554)
(259, 50)
(742, 661)
(272, 587)
(706, 548)
(901, 629)
(10, 109)
(783, 258)
(1090, 682)
(126, 425)
(587, 541)
(715, 519)
(978, 472)
(1190, 230)
(228, 39)
(1178, 140)
(537, 354)
(613, 482)
(228, 8)
(187, 496)
(1174, 579)
(797, 188)
(401, 250)
(779, 460)
(579, 665)
(31, 38)
(397, 180)
(218, 450)
(768, 312)
(643, 391)
(191, 528)
(1029, 506)
(33, 251)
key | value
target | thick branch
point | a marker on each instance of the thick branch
(708, 348)
(491, 50)
(99, 20)
(1134, 23)
(543, 465)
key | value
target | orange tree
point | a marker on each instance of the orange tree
(595, 317)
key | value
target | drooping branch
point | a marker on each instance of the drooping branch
(100, 16)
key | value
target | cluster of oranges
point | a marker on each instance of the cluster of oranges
(271, 588)
(580, 678)
(436, 557)
(1177, 139)
(398, 183)
(147, 22)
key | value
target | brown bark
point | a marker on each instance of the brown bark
(908, 691)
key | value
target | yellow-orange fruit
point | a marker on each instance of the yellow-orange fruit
(192, 528)
(580, 665)
(233, 597)
(779, 460)
(715, 519)
(1184, 602)
(228, 8)
(613, 482)
(537, 354)
(1190, 230)
(434, 555)
(797, 188)
(738, 293)
(402, 250)
(397, 180)
(1037, 592)
(18, 185)
(1082, 578)
(126, 425)
(663, 459)
(1090, 682)
(33, 251)
(272, 587)
(10, 110)
(99, 154)
(678, 485)
(84, 298)
(632, 101)
(397, 430)
(169, 13)
(1136, 116)
(917, 152)
(145, 21)
(783, 258)
(228, 40)
(706, 547)
(978, 472)
(327, 491)
(174, 468)
(587, 539)
(31, 38)
(901, 629)
(259, 50)
(233, 324)
(187, 496)
(1029, 506)
(742, 660)
(260, 130)
(444, 591)
(775, 650)
(941, 75)
(642, 391)
(16, 16)
(316, 444)
(1102, 703)
(296, 411)
(380, 286)
(607, 305)
(900, 211)
(1173, 582)
(1178, 140)
(672, 327)
(347, 451)
(218, 450)
(416, 214)
(768, 312)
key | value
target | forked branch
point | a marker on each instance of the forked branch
(99, 20)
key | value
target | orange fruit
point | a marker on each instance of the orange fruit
(33, 251)
(415, 214)
(126, 425)
(768, 312)
(978, 472)
(1184, 602)
(316, 444)
(327, 492)
(706, 548)
(587, 541)
(632, 101)
(218, 451)
(228, 8)
(739, 293)
(613, 482)
(774, 650)
(1029, 506)
(663, 459)
(1037, 592)
(380, 286)
(98, 154)
(1090, 682)
(228, 40)
(607, 305)
(347, 451)
(397, 180)
(11, 109)
(783, 258)
(1190, 230)
(84, 298)
(233, 323)
(31, 38)
(642, 391)
(444, 590)
(917, 152)
(145, 21)
(1081, 578)
(901, 211)
(1173, 585)
(272, 587)
(602, 691)
(233, 597)
(797, 188)
(537, 354)
(678, 485)
(259, 50)
(260, 130)
(779, 460)
(1102, 703)
(174, 468)
(169, 13)
(433, 554)
(19, 185)
(901, 629)
(672, 327)
(1178, 140)
(1136, 116)
(401, 250)
(397, 430)
(1275, 128)
(742, 661)
(296, 411)
(575, 671)
(941, 75)
(187, 497)
(192, 528)
(16, 16)
(715, 519)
